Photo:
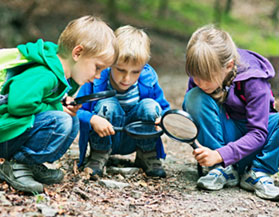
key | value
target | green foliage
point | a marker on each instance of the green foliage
(184, 17)
(39, 198)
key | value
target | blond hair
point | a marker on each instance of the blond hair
(96, 37)
(134, 45)
(208, 53)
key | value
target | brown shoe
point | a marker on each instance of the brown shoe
(151, 165)
(97, 161)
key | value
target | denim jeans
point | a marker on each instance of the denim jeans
(46, 141)
(216, 130)
(120, 143)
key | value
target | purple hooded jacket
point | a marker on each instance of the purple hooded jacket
(254, 72)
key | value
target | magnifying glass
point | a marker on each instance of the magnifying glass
(92, 97)
(141, 129)
(177, 124)
(180, 126)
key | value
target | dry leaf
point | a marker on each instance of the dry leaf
(2, 160)
(75, 167)
(142, 183)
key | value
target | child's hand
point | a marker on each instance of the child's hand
(70, 109)
(157, 122)
(101, 126)
(206, 156)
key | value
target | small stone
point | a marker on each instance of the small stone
(46, 210)
(113, 184)
(127, 171)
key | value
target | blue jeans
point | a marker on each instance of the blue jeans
(216, 130)
(47, 141)
(120, 143)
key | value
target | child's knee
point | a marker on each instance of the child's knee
(150, 109)
(195, 101)
(65, 123)
(108, 107)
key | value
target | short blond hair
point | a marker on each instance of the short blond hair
(134, 45)
(208, 52)
(96, 37)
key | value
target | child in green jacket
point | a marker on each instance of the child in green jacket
(35, 127)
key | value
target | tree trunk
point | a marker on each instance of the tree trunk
(163, 9)
(135, 4)
(217, 12)
(275, 12)
(112, 13)
(228, 6)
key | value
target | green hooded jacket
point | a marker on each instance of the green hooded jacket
(38, 88)
(9, 58)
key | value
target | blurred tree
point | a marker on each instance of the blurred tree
(228, 6)
(112, 13)
(221, 8)
(19, 22)
(163, 9)
(217, 12)
(135, 4)
(275, 12)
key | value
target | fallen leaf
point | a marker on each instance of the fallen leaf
(75, 167)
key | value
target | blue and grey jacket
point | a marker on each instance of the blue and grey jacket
(148, 88)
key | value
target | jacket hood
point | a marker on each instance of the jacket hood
(253, 65)
(44, 53)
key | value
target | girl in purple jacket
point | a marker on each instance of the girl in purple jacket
(230, 99)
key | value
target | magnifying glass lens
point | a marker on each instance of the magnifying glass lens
(180, 127)
(143, 128)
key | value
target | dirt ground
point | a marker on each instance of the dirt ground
(175, 195)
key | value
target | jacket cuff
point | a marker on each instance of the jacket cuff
(228, 155)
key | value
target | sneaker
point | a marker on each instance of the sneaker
(261, 183)
(47, 176)
(151, 165)
(219, 177)
(20, 177)
(97, 161)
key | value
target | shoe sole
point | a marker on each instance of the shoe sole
(150, 174)
(246, 186)
(250, 188)
(19, 186)
(95, 171)
(49, 181)
(232, 183)
(263, 196)
(211, 188)
(217, 187)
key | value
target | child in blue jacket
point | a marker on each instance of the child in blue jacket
(139, 97)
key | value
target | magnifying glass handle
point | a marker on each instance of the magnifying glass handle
(73, 103)
(199, 167)
(194, 145)
(118, 128)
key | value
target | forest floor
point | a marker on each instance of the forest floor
(134, 194)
